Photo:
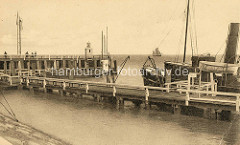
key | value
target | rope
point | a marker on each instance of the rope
(11, 111)
(124, 62)
(170, 22)
(6, 109)
(8, 104)
(179, 42)
(220, 49)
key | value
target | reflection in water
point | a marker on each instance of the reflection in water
(83, 121)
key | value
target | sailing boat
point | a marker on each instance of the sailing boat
(156, 52)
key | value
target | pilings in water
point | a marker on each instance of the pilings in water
(209, 113)
(119, 103)
(141, 96)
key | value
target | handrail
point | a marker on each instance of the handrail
(178, 82)
(98, 83)
(210, 92)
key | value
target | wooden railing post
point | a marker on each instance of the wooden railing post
(114, 91)
(64, 85)
(21, 80)
(212, 83)
(187, 92)
(44, 83)
(215, 87)
(146, 96)
(87, 87)
(237, 104)
(10, 80)
(168, 88)
(207, 89)
(187, 99)
(180, 86)
(27, 81)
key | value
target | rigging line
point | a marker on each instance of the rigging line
(191, 31)
(192, 34)
(231, 58)
(166, 35)
(125, 61)
(180, 40)
(7, 103)
(222, 57)
(195, 25)
(170, 22)
(170, 19)
(220, 49)
(7, 109)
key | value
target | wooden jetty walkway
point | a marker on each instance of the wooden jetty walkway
(183, 95)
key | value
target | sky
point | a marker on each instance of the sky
(135, 26)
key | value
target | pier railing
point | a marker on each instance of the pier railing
(85, 85)
(10, 80)
(192, 94)
(217, 95)
(49, 56)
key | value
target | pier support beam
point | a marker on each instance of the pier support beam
(137, 103)
(97, 97)
(20, 87)
(211, 113)
(176, 109)
(119, 103)
(64, 64)
(5, 67)
(62, 92)
(39, 67)
(147, 106)
(45, 65)
(20, 67)
(29, 68)
(49, 90)
(12, 68)
(31, 89)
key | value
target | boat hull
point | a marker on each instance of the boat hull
(150, 78)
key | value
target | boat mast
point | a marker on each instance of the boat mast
(102, 45)
(19, 29)
(185, 44)
(106, 45)
(17, 32)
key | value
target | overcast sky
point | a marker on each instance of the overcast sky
(135, 26)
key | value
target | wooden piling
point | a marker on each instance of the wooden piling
(237, 104)
(114, 91)
(146, 98)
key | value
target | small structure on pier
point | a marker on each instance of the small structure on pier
(88, 51)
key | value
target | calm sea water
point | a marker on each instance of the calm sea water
(85, 122)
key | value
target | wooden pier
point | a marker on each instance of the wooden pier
(183, 96)
(43, 65)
